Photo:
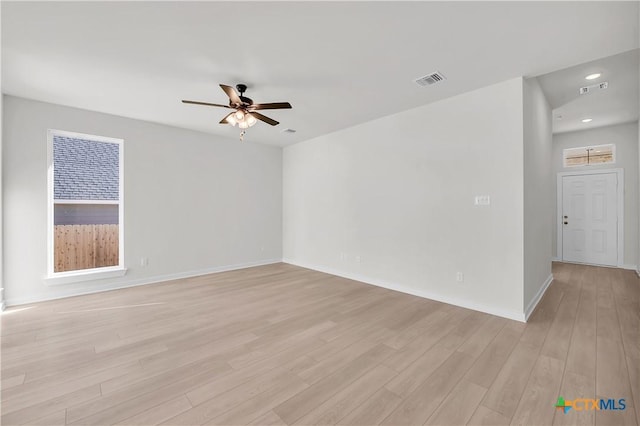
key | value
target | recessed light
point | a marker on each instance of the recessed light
(586, 120)
(592, 76)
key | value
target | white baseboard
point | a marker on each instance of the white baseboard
(148, 280)
(623, 266)
(536, 299)
(638, 272)
(517, 316)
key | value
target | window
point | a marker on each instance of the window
(85, 205)
(589, 155)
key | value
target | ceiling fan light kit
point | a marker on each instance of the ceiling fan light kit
(243, 120)
(245, 114)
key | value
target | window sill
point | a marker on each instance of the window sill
(85, 275)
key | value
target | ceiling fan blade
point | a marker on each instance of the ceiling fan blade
(231, 93)
(272, 105)
(264, 118)
(205, 103)
(224, 120)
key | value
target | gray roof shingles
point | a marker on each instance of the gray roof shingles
(85, 169)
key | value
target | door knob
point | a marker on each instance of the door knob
(566, 217)
(566, 223)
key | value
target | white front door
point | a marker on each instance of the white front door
(590, 219)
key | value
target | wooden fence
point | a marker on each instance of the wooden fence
(85, 246)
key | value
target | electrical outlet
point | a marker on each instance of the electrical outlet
(144, 261)
(358, 259)
(459, 277)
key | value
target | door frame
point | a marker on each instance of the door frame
(620, 208)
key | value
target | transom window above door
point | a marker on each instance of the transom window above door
(589, 155)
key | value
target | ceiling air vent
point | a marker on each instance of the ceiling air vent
(288, 130)
(599, 86)
(430, 79)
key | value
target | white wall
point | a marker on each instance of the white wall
(537, 184)
(193, 202)
(625, 136)
(391, 201)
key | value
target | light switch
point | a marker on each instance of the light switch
(482, 200)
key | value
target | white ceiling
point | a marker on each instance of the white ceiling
(339, 64)
(617, 104)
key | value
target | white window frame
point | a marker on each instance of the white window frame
(613, 156)
(56, 278)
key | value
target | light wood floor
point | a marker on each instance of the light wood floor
(284, 345)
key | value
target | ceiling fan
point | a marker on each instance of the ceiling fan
(245, 114)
